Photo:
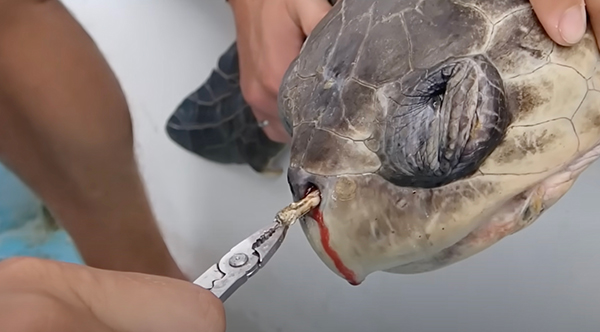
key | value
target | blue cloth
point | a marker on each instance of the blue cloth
(25, 228)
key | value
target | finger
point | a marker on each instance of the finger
(563, 20)
(122, 301)
(144, 303)
(593, 9)
(275, 132)
(308, 13)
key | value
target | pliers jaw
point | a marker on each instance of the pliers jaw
(242, 261)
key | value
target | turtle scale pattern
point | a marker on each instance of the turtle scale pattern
(216, 123)
(433, 129)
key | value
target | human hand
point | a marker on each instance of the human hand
(270, 34)
(565, 20)
(41, 295)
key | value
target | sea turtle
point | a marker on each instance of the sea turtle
(433, 129)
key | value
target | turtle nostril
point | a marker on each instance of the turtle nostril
(310, 187)
(299, 182)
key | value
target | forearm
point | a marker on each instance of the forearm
(65, 130)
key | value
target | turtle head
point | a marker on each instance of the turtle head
(394, 164)
(392, 142)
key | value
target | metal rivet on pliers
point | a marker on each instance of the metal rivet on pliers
(238, 260)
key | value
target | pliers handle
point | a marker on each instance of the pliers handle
(242, 261)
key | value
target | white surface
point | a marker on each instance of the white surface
(545, 278)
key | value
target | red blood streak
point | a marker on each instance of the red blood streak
(317, 215)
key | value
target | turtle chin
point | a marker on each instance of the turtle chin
(319, 237)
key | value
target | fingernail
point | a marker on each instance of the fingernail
(572, 24)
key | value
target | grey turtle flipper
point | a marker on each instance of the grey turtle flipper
(216, 123)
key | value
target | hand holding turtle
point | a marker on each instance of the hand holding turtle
(270, 34)
(565, 21)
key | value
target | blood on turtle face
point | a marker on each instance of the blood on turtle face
(433, 129)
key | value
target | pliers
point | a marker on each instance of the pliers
(243, 261)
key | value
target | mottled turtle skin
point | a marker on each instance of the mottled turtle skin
(433, 129)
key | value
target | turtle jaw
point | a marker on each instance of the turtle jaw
(341, 233)
(365, 224)
(316, 227)
(318, 235)
(340, 229)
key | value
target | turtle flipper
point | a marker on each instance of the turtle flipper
(216, 123)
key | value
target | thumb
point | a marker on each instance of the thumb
(308, 13)
(139, 302)
(564, 20)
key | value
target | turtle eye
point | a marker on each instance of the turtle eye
(431, 89)
(437, 82)
(444, 121)
(429, 92)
